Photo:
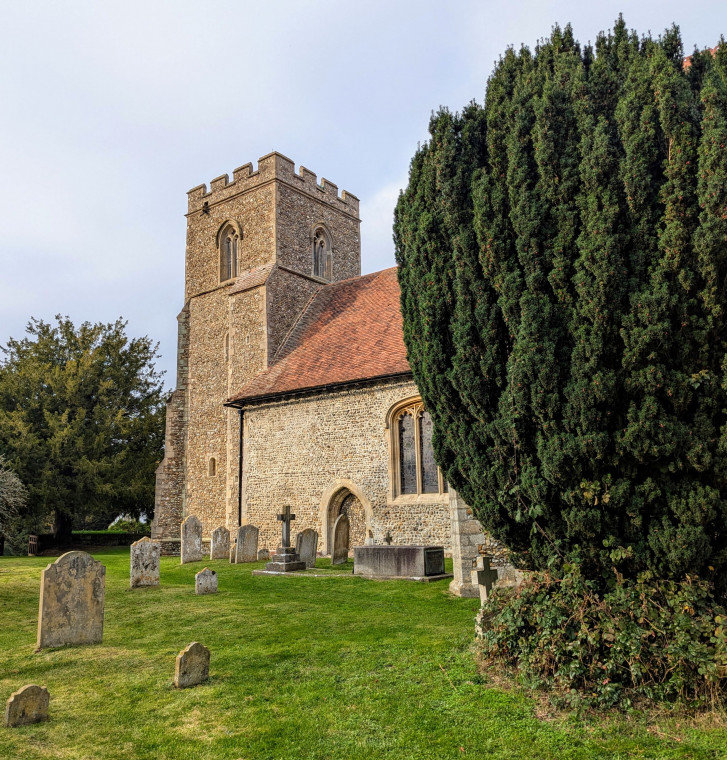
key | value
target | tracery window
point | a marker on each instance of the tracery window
(414, 471)
(229, 245)
(322, 254)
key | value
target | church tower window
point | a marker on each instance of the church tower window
(212, 467)
(414, 471)
(229, 241)
(322, 254)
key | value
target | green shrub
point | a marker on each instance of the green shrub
(641, 639)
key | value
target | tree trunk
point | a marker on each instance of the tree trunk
(62, 528)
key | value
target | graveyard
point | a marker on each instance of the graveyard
(300, 666)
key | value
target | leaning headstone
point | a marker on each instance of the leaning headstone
(71, 607)
(220, 543)
(339, 555)
(306, 545)
(144, 566)
(263, 554)
(27, 705)
(192, 666)
(247, 537)
(205, 582)
(233, 551)
(191, 540)
(483, 577)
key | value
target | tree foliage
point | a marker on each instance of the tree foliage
(563, 265)
(81, 422)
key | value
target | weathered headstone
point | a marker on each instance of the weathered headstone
(220, 543)
(483, 577)
(192, 666)
(144, 564)
(341, 528)
(191, 540)
(27, 705)
(71, 606)
(233, 551)
(247, 537)
(306, 545)
(263, 554)
(205, 582)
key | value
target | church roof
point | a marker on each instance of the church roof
(350, 331)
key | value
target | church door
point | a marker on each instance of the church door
(345, 503)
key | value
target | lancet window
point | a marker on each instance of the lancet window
(322, 254)
(229, 252)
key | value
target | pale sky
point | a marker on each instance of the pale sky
(110, 111)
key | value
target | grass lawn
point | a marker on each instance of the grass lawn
(301, 668)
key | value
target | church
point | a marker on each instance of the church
(293, 386)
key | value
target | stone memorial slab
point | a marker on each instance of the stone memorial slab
(247, 537)
(220, 543)
(72, 591)
(306, 545)
(205, 582)
(192, 666)
(27, 705)
(263, 554)
(341, 530)
(191, 540)
(144, 563)
(421, 563)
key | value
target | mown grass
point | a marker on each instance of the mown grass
(301, 668)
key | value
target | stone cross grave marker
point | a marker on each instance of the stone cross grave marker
(27, 705)
(192, 666)
(306, 545)
(341, 528)
(144, 562)
(72, 592)
(220, 543)
(247, 537)
(483, 577)
(205, 582)
(286, 519)
(191, 540)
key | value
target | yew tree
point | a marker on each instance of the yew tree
(562, 255)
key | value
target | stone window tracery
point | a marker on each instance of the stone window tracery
(322, 254)
(414, 471)
(229, 252)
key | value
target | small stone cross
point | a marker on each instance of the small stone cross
(285, 518)
(483, 576)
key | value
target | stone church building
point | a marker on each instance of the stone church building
(292, 380)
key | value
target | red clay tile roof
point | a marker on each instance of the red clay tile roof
(252, 278)
(349, 331)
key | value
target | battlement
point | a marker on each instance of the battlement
(274, 166)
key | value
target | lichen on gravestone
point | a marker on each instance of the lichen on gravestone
(27, 705)
(192, 666)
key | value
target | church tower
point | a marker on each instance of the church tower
(258, 248)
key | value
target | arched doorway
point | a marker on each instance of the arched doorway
(345, 498)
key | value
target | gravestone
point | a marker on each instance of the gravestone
(286, 559)
(72, 591)
(27, 705)
(233, 551)
(220, 543)
(192, 666)
(263, 554)
(417, 563)
(339, 555)
(144, 563)
(306, 545)
(247, 537)
(205, 582)
(483, 577)
(191, 540)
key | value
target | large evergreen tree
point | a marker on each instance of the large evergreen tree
(81, 423)
(563, 268)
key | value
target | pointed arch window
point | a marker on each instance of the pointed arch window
(414, 471)
(322, 254)
(229, 252)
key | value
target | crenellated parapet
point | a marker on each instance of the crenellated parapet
(274, 166)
